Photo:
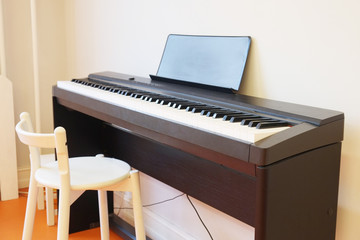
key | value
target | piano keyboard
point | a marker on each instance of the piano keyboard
(231, 123)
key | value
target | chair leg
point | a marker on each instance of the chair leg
(104, 216)
(30, 210)
(40, 201)
(63, 214)
(50, 207)
(137, 205)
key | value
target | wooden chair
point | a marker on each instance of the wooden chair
(80, 173)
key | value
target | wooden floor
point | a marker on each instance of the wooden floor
(12, 213)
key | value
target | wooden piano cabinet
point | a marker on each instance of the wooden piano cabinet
(297, 197)
(292, 199)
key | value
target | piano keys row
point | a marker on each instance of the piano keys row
(234, 116)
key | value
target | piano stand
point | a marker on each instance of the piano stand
(294, 198)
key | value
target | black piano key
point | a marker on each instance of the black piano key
(150, 97)
(253, 123)
(222, 114)
(264, 125)
(117, 90)
(246, 121)
(181, 104)
(114, 90)
(228, 117)
(135, 95)
(201, 108)
(239, 118)
(124, 92)
(192, 106)
(102, 87)
(219, 113)
(212, 109)
(165, 101)
(256, 122)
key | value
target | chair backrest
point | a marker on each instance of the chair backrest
(36, 141)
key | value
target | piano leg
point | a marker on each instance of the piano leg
(297, 197)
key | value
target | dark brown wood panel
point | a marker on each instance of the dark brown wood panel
(218, 186)
(297, 197)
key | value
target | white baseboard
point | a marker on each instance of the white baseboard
(23, 177)
(24, 173)
(156, 227)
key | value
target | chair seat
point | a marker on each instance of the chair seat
(85, 173)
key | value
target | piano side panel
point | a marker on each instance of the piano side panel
(297, 197)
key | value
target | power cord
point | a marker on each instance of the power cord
(197, 213)
(171, 199)
(153, 204)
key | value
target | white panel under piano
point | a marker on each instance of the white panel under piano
(8, 162)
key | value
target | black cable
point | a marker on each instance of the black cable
(153, 204)
(197, 213)
(170, 199)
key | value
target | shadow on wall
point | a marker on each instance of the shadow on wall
(252, 80)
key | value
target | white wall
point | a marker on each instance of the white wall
(306, 52)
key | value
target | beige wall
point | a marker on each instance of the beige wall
(51, 55)
(305, 52)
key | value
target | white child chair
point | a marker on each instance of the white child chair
(80, 173)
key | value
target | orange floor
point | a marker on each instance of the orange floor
(12, 213)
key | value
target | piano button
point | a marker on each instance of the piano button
(265, 125)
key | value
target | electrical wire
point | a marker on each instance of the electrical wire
(168, 200)
(197, 213)
(153, 204)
